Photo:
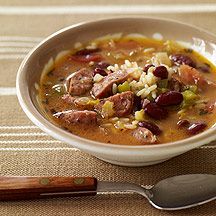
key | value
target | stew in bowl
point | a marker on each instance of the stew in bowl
(131, 90)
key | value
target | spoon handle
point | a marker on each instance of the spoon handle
(19, 188)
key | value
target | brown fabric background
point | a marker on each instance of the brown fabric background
(28, 151)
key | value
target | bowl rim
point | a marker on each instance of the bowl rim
(60, 134)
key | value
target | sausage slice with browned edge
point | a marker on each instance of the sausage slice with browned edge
(79, 82)
(104, 87)
(76, 117)
(144, 135)
(122, 103)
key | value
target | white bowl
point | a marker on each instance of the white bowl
(31, 68)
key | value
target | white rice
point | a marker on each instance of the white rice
(97, 78)
(114, 119)
(114, 89)
(146, 90)
(154, 94)
(149, 50)
(130, 126)
(106, 125)
(135, 122)
(142, 83)
(124, 119)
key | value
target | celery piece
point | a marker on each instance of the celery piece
(119, 125)
(107, 109)
(93, 102)
(162, 83)
(193, 88)
(123, 87)
(139, 115)
(189, 95)
(189, 98)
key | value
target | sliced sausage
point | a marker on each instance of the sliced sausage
(144, 135)
(122, 103)
(104, 87)
(68, 99)
(80, 102)
(78, 117)
(190, 76)
(80, 82)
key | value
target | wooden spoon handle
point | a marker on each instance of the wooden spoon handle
(19, 188)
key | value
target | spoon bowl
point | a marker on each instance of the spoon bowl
(183, 191)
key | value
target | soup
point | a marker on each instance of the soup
(130, 90)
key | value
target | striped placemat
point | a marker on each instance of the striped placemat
(26, 150)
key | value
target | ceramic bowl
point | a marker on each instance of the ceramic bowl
(30, 71)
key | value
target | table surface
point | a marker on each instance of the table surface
(26, 150)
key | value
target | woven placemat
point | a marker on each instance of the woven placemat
(26, 150)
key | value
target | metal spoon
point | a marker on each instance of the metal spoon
(174, 193)
(178, 192)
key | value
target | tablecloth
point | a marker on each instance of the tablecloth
(26, 150)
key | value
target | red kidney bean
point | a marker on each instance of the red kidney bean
(179, 59)
(155, 111)
(183, 123)
(151, 126)
(169, 98)
(161, 72)
(147, 66)
(102, 65)
(83, 52)
(99, 71)
(196, 128)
